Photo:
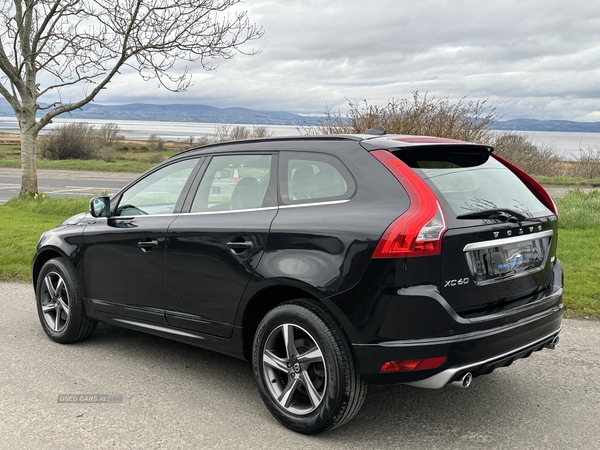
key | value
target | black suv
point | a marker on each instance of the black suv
(329, 262)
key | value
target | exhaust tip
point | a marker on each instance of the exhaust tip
(464, 381)
(553, 343)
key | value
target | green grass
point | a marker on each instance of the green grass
(84, 164)
(578, 249)
(133, 157)
(579, 211)
(567, 181)
(22, 221)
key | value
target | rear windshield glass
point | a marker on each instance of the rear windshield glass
(472, 181)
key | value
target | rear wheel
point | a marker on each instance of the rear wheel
(60, 305)
(304, 368)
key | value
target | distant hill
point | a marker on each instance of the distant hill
(179, 113)
(188, 113)
(547, 125)
(211, 114)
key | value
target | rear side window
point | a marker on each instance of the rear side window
(234, 182)
(473, 181)
(313, 177)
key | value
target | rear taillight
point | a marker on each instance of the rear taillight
(535, 187)
(419, 231)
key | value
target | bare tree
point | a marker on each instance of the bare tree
(50, 46)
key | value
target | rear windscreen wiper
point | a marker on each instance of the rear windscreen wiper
(498, 213)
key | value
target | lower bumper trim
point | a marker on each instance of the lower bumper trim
(441, 379)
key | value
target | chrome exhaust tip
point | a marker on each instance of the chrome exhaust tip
(464, 381)
(553, 343)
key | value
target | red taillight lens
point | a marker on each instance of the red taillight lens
(533, 185)
(419, 230)
(409, 365)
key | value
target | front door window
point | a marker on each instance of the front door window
(158, 192)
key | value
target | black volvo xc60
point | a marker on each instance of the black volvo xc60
(329, 262)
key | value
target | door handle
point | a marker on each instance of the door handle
(146, 246)
(239, 246)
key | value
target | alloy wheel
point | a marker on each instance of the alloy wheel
(55, 302)
(294, 369)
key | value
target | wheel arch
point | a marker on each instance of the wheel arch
(46, 255)
(267, 299)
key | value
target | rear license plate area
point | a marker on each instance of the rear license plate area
(511, 260)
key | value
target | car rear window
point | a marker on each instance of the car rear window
(472, 181)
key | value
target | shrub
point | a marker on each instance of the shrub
(225, 132)
(534, 159)
(108, 135)
(238, 133)
(261, 132)
(155, 142)
(69, 141)
(588, 163)
(81, 141)
(466, 120)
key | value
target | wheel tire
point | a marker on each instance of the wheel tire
(305, 370)
(60, 305)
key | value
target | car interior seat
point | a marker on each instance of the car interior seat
(246, 194)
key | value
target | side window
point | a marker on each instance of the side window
(234, 182)
(158, 192)
(314, 177)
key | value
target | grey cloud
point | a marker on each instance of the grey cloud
(535, 58)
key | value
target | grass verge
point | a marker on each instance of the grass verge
(578, 250)
(95, 165)
(23, 220)
(567, 181)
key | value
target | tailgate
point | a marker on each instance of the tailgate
(488, 269)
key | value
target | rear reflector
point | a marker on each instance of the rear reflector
(408, 365)
(417, 232)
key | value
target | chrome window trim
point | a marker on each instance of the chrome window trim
(303, 205)
(203, 213)
(138, 216)
(511, 240)
(266, 208)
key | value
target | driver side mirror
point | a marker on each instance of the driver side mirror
(100, 207)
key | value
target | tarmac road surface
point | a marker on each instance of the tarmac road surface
(166, 395)
(65, 183)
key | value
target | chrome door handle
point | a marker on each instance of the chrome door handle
(146, 246)
(240, 244)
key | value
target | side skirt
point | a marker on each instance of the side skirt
(231, 346)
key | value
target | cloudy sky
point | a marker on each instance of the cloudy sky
(531, 58)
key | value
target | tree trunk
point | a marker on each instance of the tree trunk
(29, 133)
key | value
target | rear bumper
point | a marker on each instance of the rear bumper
(486, 366)
(478, 352)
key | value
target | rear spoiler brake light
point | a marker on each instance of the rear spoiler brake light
(535, 187)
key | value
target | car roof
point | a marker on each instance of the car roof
(367, 141)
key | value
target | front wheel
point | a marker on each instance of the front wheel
(60, 305)
(305, 370)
